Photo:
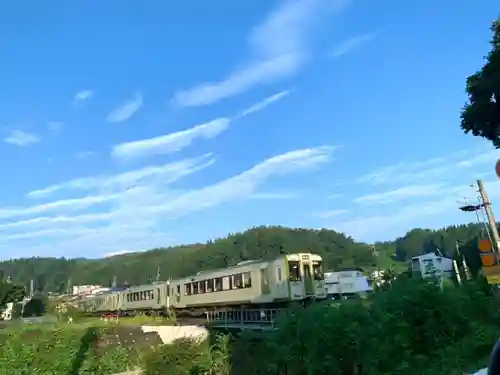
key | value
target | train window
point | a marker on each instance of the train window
(210, 285)
(294, 268)
(279, 274)
(201, 286)
(178, 290)
(218, 284)
(195, 288)
(247, 279)
(168, 291)
(238, 281)
(188, 289)
(318, 270)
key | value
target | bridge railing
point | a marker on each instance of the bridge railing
(262, 317)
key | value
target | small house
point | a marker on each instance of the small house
(431, 264)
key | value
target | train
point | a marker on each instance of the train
(252, 284)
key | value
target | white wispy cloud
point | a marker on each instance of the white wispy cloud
(402, 193)
(263, 104)
(352, 44)
(395, 220)
(166, 173)
(247, 183)
(126, 110)
(21, 138)
(175, 142)
(84, 154)
(130, 218)
(82, 96)
(434, 168)
(330, 214)
(170, 143)
(74, 204)
(271, 196)
(278, 48)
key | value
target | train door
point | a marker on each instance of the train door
(264, 281)
(296, 285)
(308, 279)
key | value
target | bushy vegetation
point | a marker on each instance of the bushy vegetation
(68, 350)
(415, 328)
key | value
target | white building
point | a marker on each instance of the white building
(346, 283)
(430, 264)
(88, 289)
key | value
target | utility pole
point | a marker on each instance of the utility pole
(491, 219)
(461, 257)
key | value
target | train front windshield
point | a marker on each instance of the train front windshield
(294, 270)
(318, 270)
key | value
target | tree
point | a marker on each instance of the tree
(10, 293)
(481, 115)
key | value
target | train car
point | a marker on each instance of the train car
(289, 278)
(102, 303)
(146, 299)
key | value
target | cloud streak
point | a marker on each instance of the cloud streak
(169, 143)
(352, 44)
(263, 104)
(126, 110)
(136, 206)
(177, 141)
(21, 138)
(166, 173)
(434, 168)
(278, 49)
(402, 193)
(82, 96)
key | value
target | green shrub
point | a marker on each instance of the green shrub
(414, 328)
(63, 351)
(182, 357)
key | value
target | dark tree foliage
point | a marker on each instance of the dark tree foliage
(481, 115)
(418, 241)
(10, 292)
(337, 250)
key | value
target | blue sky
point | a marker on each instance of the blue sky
(128, 125)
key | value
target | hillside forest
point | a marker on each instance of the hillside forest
(338, 252)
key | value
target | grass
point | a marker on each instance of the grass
(140, 320)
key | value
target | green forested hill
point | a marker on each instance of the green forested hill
(338, 251)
